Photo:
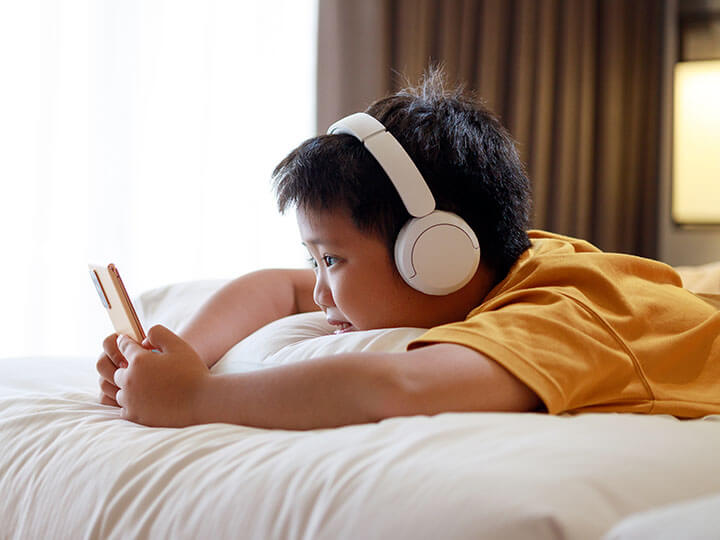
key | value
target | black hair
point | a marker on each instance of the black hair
(467, 158)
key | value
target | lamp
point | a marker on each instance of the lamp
(696, 144)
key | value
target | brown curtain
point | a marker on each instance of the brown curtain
(577, 83)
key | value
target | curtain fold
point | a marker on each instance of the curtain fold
(577, 83)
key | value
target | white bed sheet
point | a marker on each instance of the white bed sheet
(696, 519)
(71, 468)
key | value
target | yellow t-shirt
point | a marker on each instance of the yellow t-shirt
(594, 331)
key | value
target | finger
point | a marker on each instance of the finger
(119, 379)
(120, 398)
(105, 400)
(129, 347)
(106, 368)
(109, 389)
(164, 339)
(109, 343)
(111, 350)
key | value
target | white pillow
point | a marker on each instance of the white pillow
(291, 339)
(704, 278)
(304, 336)
(172, 305)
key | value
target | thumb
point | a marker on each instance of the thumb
(128, 347)
(164, 339)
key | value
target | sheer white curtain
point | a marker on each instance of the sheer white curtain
(144, 133)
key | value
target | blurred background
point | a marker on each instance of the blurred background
(145, 133)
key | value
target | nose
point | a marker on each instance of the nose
(322, 295)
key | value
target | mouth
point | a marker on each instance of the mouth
(341, 327)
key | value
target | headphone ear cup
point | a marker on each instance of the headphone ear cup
(437, 254)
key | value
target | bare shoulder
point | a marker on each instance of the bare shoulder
(448, 377)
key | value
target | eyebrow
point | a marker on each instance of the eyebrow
(324, 242)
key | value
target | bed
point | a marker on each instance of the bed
(72, 468)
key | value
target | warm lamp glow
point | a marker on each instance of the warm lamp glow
(696, 145)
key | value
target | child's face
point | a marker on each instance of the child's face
(355, 282)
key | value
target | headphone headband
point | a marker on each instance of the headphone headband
(392, 157)
(435, 252)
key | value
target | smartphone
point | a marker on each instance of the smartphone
(116, 301)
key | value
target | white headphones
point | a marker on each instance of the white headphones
(436, 252)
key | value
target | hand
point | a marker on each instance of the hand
(162, 387)
(108, 362)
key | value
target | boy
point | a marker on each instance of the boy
(544, 322)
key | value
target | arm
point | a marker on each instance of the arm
(246, 304)
(174, 387)
(366, 387)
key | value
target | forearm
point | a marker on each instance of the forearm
(324, 392)
(364, 387)
(244, 305)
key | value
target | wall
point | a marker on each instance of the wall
(680, 245)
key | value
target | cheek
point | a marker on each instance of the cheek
(353, 296)
(375, 300)
(347, 294)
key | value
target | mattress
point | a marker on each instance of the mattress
(72, 468)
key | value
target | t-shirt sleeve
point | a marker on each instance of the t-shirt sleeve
(557, 346)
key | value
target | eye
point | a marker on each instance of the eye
(312, 262)
(329, 260)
